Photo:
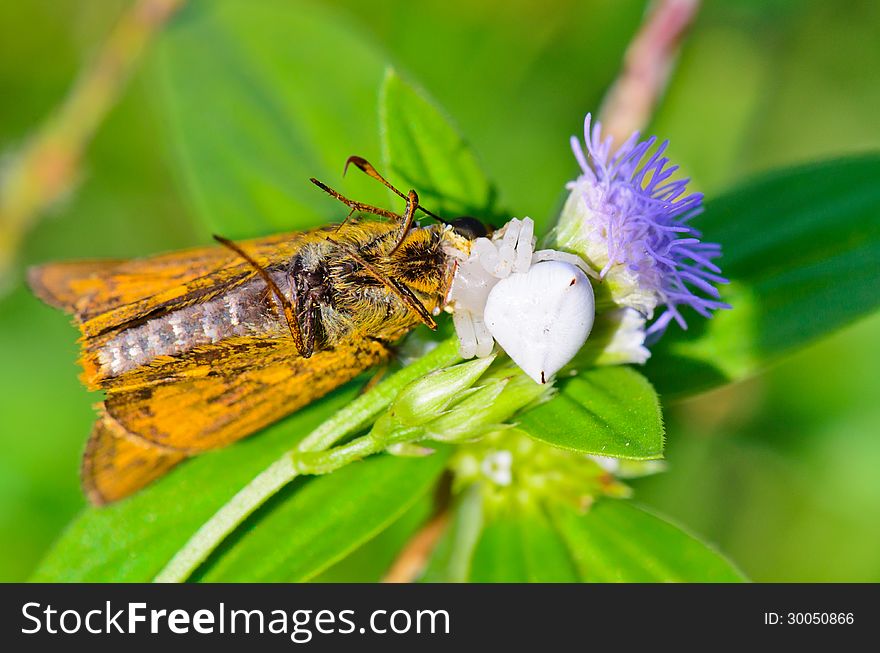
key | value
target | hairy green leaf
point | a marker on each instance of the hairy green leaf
(450, 560)
(371, 561)
(521, 546)
(326, 519)
(424, 151)
(256, 106)
(607, 411)
(802, 249)
(615, 541)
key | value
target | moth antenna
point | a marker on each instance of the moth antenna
(286, 306)
(347, 218)
(354, 205)
(412, 203)
(367, 168)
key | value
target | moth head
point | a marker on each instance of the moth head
(469, 227)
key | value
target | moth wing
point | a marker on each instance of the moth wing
(117, 463)
(161, 414)
(218, 394)
(104, 295)
(63, 285)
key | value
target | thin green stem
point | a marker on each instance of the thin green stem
(351, 419)
(324, 462)
(225, 520)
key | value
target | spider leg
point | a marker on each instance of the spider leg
(565, 257)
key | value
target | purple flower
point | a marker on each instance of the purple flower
(630, 222)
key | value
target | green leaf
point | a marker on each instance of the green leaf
(521, 546)
(259, 97)
(606, 411)
(325, 520)
(371, 561)
(615, 541)
(802, 248)
(451, 559)
(131, 541)
(424, 151)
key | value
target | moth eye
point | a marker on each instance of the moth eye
(469, 227)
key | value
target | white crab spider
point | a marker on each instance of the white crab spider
(538, 306)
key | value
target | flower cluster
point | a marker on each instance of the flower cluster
(629, 220)
(511, 470)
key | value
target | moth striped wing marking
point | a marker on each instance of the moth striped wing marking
(217, 395)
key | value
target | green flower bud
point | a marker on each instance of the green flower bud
(423, 400)
(505, 392)
(469, 418)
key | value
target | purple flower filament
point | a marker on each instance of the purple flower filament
(644, 218)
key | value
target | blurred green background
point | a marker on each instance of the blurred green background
(779, 471)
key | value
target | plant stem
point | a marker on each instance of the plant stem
(47, 166)
(354, 417)
(225, 520)
(648, 64)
